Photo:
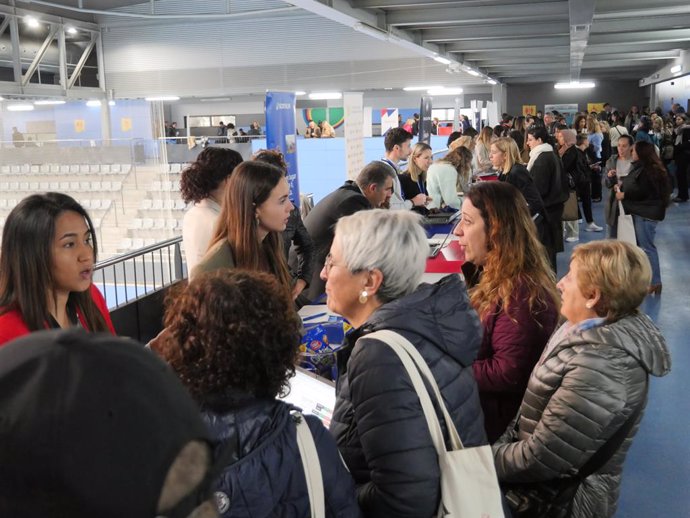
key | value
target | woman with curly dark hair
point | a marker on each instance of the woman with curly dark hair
(645, 193)
(232, 337)
(255, 211)
(203, 183)
(295, 232)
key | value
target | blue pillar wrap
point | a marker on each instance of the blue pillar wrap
(281, 135)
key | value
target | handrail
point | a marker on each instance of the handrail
(136, 253)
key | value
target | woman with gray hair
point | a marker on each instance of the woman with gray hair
(373, 275)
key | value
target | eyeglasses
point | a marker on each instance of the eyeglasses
(330, 264)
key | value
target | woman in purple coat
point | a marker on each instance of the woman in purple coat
(513, 288)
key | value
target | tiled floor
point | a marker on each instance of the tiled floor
(656, 476)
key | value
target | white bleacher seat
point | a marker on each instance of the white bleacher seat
(180, 205)
(147, 223)
(117, 186)
(14, 186)
(172, 224)
(106, 203)
(44, 168)
(94, 168)
(54, 186)
(107, 186)
(137, 243)
(23, 186)
(126, 243)
(86, 204)
(97, 222)
(115, 168)
(96, 204)
(4, 186)
(105, 168)
(64, 186)
(85, 186)
(84, 168)
(150, 241)
(146, 204)
(175, 168)
(74, 186)
(56, 168)
(156, 186)
(15, 169)
(159, 223)
(34, 186)
(26, 169)
(136, 224)
(96, 186)
(157, 205)
(4, 169)
(3, 201)
(74, 168)
(43, 186)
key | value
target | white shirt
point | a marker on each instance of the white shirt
(397, 202)
(197, 229)
(441, 184)
(622, 167)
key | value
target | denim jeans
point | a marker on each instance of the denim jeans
(645, 230)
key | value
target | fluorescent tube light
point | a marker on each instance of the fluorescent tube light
(442, 60)
(71, 30)
(93, 103)
(573, 85)
(370, 31)
(444, 91)
(162, 98)
(322, 96)
(300, 92)
(677, 68)
(48, 102)
(419, 88)
(492, 82)
(473, 73)
(111, 103)
(20, 107)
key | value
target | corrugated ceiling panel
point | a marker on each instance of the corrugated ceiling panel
(202, 6)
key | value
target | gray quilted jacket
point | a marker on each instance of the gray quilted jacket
(578, 395)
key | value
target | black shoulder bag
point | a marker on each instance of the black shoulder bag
(554, 498)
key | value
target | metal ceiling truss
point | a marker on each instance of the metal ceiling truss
(56, 31)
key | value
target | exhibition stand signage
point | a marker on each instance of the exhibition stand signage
(281, 135)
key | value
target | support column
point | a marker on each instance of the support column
(499, 95)
(14, 36)
(106, 133)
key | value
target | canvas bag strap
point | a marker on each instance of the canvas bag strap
(311, 465)
(414, 364)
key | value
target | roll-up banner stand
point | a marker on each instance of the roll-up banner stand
(354, 133)
(281, 135)
(425, 120)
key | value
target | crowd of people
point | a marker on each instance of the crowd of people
(553, 375)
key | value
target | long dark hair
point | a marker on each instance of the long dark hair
(654, 167)
(26, 261)
(250, 185)
(203, 176)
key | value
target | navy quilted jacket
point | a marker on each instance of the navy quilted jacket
(378, 420)
(267, 480)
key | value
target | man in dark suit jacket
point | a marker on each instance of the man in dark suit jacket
(373, 188)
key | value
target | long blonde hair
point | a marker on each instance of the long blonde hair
(509, 148)
(415, 172)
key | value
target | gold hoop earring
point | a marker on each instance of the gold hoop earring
(363, 297)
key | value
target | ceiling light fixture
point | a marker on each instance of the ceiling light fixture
(323, 96)
(574, 85)
(444, 91)
(32, 22)
(473, 73)
(492, 81)
(48, 102)
(162, 98)
(300, 92)
(370, 31)
(111, 103)
(419, 88)
(677, 68)
(93, 103)
(20, 107)
(442, 60)
(71, 30)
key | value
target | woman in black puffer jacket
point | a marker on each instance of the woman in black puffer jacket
(372, 278)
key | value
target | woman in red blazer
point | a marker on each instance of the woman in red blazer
(46, 265)
(513, 288)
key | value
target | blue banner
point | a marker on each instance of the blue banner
(281, 135)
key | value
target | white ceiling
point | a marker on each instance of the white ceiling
(249, 45)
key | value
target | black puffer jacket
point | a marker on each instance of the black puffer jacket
(643, 196)
(378, 420)
(579, 394)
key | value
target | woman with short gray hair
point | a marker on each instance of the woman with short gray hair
(373, 275)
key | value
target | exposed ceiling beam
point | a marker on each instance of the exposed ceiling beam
(637, 8)
(5, 23)
(39, 55)
(678, 35)
(630, 47)
(398, 4)
(581, 16)
(527, 45)
(642, 23)
(488, 32)
(551, 11)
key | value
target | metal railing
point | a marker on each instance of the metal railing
(131, 276)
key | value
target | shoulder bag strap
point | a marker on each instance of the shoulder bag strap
(414, 364)
(610, 447)
(311, 465)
